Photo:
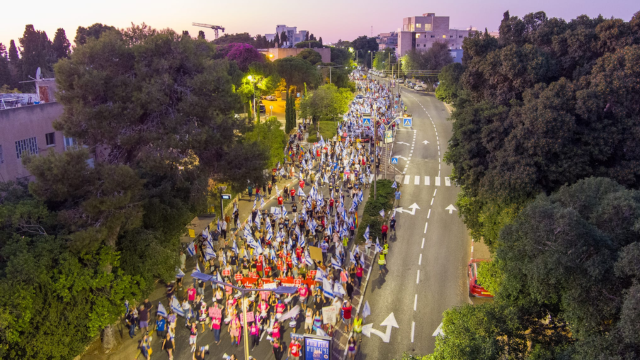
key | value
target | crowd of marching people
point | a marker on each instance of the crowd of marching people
(291, 259)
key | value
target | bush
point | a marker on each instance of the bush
(371, 214)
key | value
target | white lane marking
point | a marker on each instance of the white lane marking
(434, 192)
(416, 180)
(438, 153)
(427, 180)
(447, 181)
(415, 303)
(432, 200)
(422, 243)
(426, 225)
(407, 179)
(438, 159)
(420, 260)
(438, 173)
(418, 277)
(438, 180)
(413, 329)
(429, 214)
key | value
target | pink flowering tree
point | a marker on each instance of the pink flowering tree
(243, 54)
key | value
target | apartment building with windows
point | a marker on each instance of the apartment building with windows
(421, 32)
(293, 35)
(387, 40)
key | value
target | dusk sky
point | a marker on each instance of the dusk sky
(330, 19)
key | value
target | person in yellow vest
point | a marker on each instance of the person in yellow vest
(382, 263)
(357, 328)
(385, 249)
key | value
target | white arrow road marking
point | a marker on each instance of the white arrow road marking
(404, 143)
(425, 142)
(389, 322)
(451, 209)
(438, 331)
(412, 207)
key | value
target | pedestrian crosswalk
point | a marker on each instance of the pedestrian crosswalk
(426, 180)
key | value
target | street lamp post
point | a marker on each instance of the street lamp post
(328, 66)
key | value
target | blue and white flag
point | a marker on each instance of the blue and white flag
(191, 249)
(300, 192)
(235, 247)
(307, 258)
(179, 273)
(320, 275)
(395, 185)
(258, 222)
(378, 247)
(298, 231)
(218, 225)
(209, 253)
(251, 242)
(269, 234)
(330, 229)
(161, 310)
(366, 233)
(327, 288)
(176, 307)
(366, 310)
(302, 242)
(294, 260)
(273, 254)
(224, 259)
(338, 290)
(382, 212)
(254, 203)
(261, 202)
(352, 258)
(335, 263)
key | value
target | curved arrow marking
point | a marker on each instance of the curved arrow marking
(412, 207)
(389, 322)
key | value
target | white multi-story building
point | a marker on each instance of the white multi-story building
(421, 32)
(293, 36)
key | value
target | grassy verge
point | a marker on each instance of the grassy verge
(371, 214)
(327, 130)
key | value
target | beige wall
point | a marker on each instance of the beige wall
(280, 53)
(23, 123)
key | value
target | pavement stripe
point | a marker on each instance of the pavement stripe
(447, 181)
(427, 180)
(415, 303)
(418, 277)
(406, 179)
(413, 329)
(416, 181)
(437, 180)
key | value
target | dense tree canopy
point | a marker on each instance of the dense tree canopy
(61, 46)
(297, 72)
(83, 34)
(434, 58)
(549, 103)
(312, 56)
(326, 103)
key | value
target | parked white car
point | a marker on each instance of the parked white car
(419, 88)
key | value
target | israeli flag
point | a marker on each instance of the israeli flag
(352, 258)
(330, 229)
(294, 260)
(268, 226)
(280, 236)
(335, 263)
(161, 310)
(378, 247)
(353, 205)
(313, 225)
(327, 288)
(277, 191)
(298, 231)
(209, 253)
(395, 185)
(302, 243)
(350, 222)
(257, 222)
(220, 280)
(366, 233)
(338, 290)
(218, 225)
(273, 255)
(176, 307)
(254, 203)
(382, 212)
(191, 249)
(366, 310)
(234, 248)
(360, 197)
(320, 275)
(261, 202)
(309, 201)
(251, 242)
(224, 259)
(284, 211)
(300, 192)
(269, 235)
(307, 258)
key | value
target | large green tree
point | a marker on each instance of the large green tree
(297, 72)
(83, 34)
(312, 56)
(61, 46)
(449, 79)
(327, 103)
(546, 105)
(36, 53)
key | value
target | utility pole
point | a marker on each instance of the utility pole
(375, 153)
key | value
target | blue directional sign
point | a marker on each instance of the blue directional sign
(366, 121)
(394, 160)
(407, 122)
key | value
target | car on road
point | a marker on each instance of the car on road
(410, 85)
(359, 97)
(400, 81)
(419, 88)
(269, 98)
(472, 271)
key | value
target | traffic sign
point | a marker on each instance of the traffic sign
(407, 122)
(226, 197)
(366, 121)
(394, 160)
(271, 107)
(388, 136)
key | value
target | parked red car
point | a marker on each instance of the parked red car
(472, 271)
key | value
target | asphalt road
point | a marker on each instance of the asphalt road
(428, 256)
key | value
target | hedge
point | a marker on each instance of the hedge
(371, 214)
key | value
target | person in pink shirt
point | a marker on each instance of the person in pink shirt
(303, 292)
(191, 294)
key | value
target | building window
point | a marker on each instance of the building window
(1, 155)
(427, 27)
(419, 26)
(444, 36)
(29, 145)
(417, 36)
(50, 138)
(433, 36)
(451, 36)
(460, 36)
(70, 143)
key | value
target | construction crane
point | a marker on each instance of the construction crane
(214, 27)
